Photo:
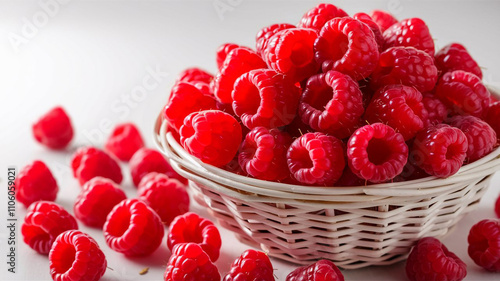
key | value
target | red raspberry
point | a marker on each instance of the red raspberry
(204, 88)
(147, 160)
(318, 16)
(376, 153)
(332, 103)
(410, 172)
(463, 93)
(35, 182)
(43, 222)
(124, 141)
(481, 138)
(195, 74)
(407, 66)
(133, 229)
(431, 260)
(316, 159)
(484, 244)
(190, 228)
(383, 19)
(400, 107)
(75, 256)
(262, 38)
(53, 129)
(320, 270)
(497, 206)
(265, 98)
(167, 196)
(251, 266)
(90, 162)
(453, 57)
(238, 62)
(347, 45)
(410, 33)
(439, 150)
(436, 110)
(96, 200)
(366, 19)
(185, 99)
(224, 50)
(263, 154)
(348, 178)
(211, 135)
(189, 262)
(493, 117)
(291, 52)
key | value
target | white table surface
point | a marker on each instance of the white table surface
(108, 62)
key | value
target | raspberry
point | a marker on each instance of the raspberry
(96, 200)
(250, 266)
(211, 135)
(316, 159)
(366, 19)
(376, 153)
(407, 66)
(195, 74)
(400, 107)
(291, 52)
(453, 57)
(484, 244)
(497, 206)
(43, 222)
(439, 150)
(265, 98)
(35, 182)
(190, 228)
(332, 103)
(348, 178)
(185, 99)
(463, 93)
(481, 138)
(90, 162)
(320, 270)
(347, 45)
(204, 88)
(410, 172)
(224, 50)
(76, 256)
(262, 38)
(189, 262)
(133, 228)
(410, 33)
(53, 129)
(436, 110)
(238, 62)
(167, 196)
(493, 117)
(124, 141)
(318, 16)
(147, 160)
(431, 260)
(383, 19)
(263, 154)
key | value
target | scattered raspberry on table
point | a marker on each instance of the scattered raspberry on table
(35, 182)
(189, 262)
(251, 265)
(320, 270)
(54, 129)
(124, 141)
(484, 244)
(90, 162)
(147, 160)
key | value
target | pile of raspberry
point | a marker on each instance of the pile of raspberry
(337, 100)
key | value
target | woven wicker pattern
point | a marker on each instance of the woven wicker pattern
(352, 226)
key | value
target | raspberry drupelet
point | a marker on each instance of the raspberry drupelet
(35, 182)
(347, 45)
(455, 56)
(439, 150)
(383, 19)
(318, 16)
(411, 32)
(263, 154)
(211, 135)
(332, 103)
(431, 260)
(266, 33)
(265, 98)
(189, 262)
(124, 141)
(147, 160)
(316, 159)
(53, 129)
(75, 256)
(320, 270)
(252, 265)
(400, 107)
(376, 153)
(90, 162)
(484, 244)
(43, 222)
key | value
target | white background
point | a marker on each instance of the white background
(97, 58)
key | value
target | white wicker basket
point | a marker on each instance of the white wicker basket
(352, 226)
